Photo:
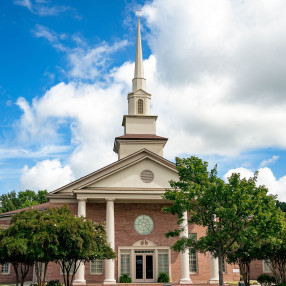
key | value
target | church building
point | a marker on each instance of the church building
(127, 196)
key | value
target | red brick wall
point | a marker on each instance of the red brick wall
(125, 235)
(11, 278)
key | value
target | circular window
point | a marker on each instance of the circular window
(143, 224)
(147, 176)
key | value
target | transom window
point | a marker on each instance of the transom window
(96, 267)
(140, 106)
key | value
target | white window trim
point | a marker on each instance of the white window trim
(96, 273)
(132, 253)
(8, 272)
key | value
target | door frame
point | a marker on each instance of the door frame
(138, 246)
(144, 254)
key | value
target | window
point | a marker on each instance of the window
(193, 259)
(163, 261)
(5, 268)
(266, 266)
(224, 265)
(140, 106)
(125, 262)
(96, 267)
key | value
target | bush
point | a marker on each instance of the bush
(163, 277)
(54, 283)
(281, 284)
(125, 278)
(265, 279)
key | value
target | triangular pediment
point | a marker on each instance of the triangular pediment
(141, 171)
(139, 92)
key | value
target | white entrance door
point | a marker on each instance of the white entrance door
(144, 266)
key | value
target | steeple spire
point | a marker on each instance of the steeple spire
(139, 82)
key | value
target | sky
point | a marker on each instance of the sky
(216, 71)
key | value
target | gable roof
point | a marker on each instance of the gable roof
(111, 169)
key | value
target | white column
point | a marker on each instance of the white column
(213, 269)
(79, 276)
(110, 264)
(184, 256)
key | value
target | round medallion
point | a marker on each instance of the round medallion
(143, 224)
(147, 176)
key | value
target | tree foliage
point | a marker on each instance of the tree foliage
(13, 201)
(232, 213)
(35, 237)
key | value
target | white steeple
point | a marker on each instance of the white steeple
(139, 125)
(139, 82)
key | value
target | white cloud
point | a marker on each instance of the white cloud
(218, 85)
(89, 63)
(216, 75)
(266, 178)
(41, 7)
(85, 62)
(47, 174)
(49, 34)
(269, 161)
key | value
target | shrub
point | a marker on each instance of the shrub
(163, 277)
(265, 279)
(281, 284)
(54, 283)
(125, 278)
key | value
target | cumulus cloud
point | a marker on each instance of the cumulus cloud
(219, 84)
(266, 178)
(47, 174)
(216, 74)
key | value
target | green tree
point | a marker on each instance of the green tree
(228, 211)
(35, 237)
(14, 249)
(13, 201)
(274, 251)
(281, 205)
(79, 241)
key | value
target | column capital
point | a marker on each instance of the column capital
(81, 199)
(110, 199)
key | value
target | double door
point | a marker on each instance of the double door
(144, 266)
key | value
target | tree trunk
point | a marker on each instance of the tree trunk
(41, 270)
(220, 266)
(244, 268)
(15, 266)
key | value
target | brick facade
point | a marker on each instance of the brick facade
(126, 235)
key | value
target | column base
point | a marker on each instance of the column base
(79, 282)
(214, 281)
(109, 282)
(185, 281)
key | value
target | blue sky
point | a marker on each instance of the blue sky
(216, 72)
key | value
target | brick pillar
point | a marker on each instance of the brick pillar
(184, 256)
(79, 276)
(110, 264)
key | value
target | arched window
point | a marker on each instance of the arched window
(140, 106)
